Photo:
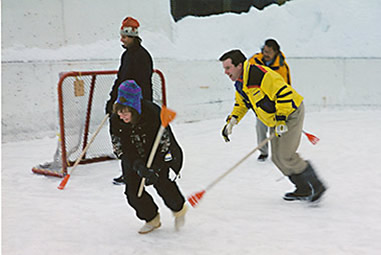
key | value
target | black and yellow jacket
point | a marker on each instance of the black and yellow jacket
(271, 98)
(279, 65)
(242, 102)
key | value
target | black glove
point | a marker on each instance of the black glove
(151, 175)
(117, 146)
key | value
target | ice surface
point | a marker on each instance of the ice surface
(243, 214)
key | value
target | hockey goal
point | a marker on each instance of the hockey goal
(82, 98)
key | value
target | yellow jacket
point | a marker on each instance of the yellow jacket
(279, 65)
(242, 103)
(270, 96)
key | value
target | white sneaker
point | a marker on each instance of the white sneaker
(180, 217)
(151, 225)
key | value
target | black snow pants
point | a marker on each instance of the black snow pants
(145, 207)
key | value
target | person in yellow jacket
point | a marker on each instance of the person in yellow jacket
(280, 107)
(273, 57)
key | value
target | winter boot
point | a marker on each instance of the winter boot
(303, 190)
(317, 186)
(180, 217)
(151, 225)
(308, 186)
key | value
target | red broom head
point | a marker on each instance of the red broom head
(195, 198)
(313, 139)
(63, 182)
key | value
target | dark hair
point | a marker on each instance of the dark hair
(272, 44)
(236, 56)
(119, 107)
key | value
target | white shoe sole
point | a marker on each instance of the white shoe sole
(148, 230)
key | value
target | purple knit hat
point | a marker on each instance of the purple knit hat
(130, 94)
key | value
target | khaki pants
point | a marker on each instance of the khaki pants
(262, 135)
(283, 149)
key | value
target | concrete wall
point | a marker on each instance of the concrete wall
(29, 96)
(327, 82)
(196, 89)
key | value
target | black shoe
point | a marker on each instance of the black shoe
(303, 190)
(313, 196)
(262, 157)
(119, 180)
(297, 195)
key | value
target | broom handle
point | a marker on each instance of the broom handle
(239, 162)
(89, 143)
(166, 116)
(151, 156)
(66, 178)
(243, 159)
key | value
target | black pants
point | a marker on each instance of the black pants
(145, 207)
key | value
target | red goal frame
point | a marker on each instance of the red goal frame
(46, 170)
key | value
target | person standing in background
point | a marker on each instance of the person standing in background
(135, 64)
(274, 58)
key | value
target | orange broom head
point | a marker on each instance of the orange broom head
(63, 182)
(166, 116)
(195, 198)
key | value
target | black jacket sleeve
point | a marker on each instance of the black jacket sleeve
(176, 162)
(168, 143)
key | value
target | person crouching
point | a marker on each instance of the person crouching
(134, 125)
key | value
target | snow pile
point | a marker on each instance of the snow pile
(308, 28)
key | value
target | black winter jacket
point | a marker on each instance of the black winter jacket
(137, 139)
(135, 64)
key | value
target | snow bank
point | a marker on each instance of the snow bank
(57, 30)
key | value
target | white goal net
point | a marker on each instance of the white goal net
(81, 106)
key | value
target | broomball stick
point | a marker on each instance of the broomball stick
(166, 116)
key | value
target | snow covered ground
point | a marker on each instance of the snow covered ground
(242, 214)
